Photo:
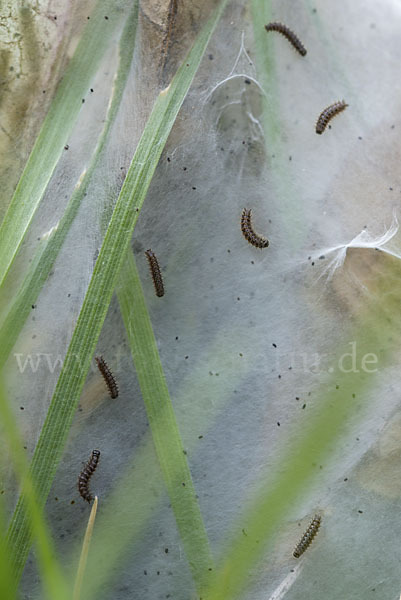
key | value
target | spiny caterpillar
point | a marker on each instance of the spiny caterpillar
(307, 537)
(290, 35)
(247, 230)
(86, 474)
(107, 376)
(328, 113)
(155, 272)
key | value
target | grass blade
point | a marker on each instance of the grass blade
(264, 53)
(44, 260)
(85, 550)
(293, 220)
(166, 436)
(48, 565)
(297, 469)
(55, 130)
(112, 254)
(140, 489)
(7, 589)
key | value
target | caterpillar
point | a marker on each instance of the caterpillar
(107, 376)
(247, 230)
(328, 113)
(155, 272)
(290, 35)
(307, 537)
(86, 474)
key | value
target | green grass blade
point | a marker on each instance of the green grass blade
(340, 404)
(46, 255)
(55, 130)
(293, 220)
(7, 589)
(52, 576)
(85, 551)
(112, 254)
(135, 497)
(266, 68)
(140, 489)
(163, 424)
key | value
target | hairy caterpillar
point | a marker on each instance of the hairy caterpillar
(247, 230)
(86, 474)
(328, 113)
(107, 376)
(307, 537)
(155, 272)
(290, 35)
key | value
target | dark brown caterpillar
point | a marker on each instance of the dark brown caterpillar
(247, 230)
(86, 474)
(107, 376)
(328, 113)
(307, 537)
(290, 35)
(155, 272)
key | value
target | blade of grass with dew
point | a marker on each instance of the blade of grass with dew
(46, 255)
(55, 130)
(297, 468)
(85, 550)
(52, 576)
(162, 421)
(100, 290)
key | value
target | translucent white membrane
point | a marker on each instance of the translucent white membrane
(248, 338)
